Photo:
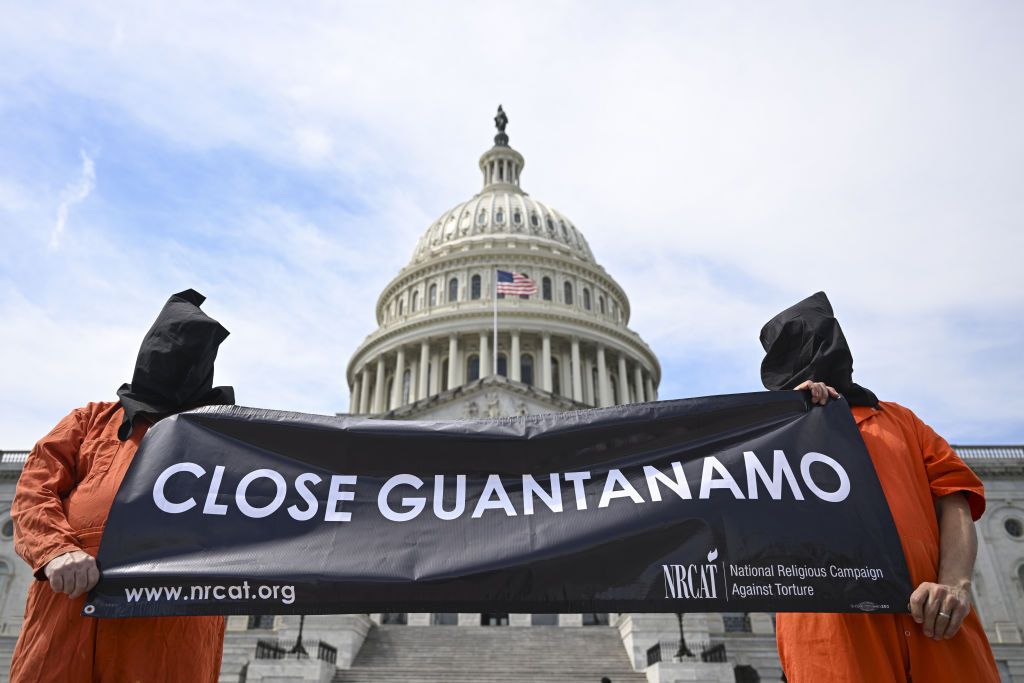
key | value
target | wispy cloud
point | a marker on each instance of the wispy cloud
(723, 161)
(73, 193)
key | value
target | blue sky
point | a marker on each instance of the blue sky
(724, 160)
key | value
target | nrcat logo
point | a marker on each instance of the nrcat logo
(692, 581)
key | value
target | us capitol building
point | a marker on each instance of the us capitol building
(566, 347)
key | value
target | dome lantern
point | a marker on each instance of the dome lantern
(501, 165)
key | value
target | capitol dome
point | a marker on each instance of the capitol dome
(568, 346)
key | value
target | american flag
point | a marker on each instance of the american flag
(515, 283)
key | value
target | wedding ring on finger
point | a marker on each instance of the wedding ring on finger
(943, 614)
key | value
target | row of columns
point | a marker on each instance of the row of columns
(369, 392)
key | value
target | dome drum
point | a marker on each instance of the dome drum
(566, 346)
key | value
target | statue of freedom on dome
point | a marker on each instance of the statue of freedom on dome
(500, 121)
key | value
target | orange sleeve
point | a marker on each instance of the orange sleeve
(41, 529)
(947, 473)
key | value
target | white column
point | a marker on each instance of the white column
(423, 386)
(638, 383)
(378, 386)
(486, 367)
(453, 361)
(649, 384)
(353, 400)
(396, 385)
(514, 369)
(435, 373)
(604, 394)
(414, 378)
(545, 361)
(364, 392)
(577, 377)
(623, 381)
(589, 395)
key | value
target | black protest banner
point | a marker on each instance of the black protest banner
(748, 502)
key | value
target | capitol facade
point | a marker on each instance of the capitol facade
(438, 354)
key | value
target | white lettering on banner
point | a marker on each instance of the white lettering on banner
(243, 488)
(415, 505)
(158, 487)
(312, 494)
(836, 496)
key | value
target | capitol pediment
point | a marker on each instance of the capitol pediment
(489, 397)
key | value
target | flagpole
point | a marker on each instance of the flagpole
(494, 351)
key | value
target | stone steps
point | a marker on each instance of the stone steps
(452, 654)
(239, 649)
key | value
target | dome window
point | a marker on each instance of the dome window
(545, 288)
(565, 233)
(474, 287)
(526, 369)
(432, 297)
(567, 292)
(481, 218)
(600, 304)
(551, 226)
(401, 307)
(499, 215)
(473, 368)
(415, 301)
(586, 298)
(453, 289)
(534, 220)
(517, 217)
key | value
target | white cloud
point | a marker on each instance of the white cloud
(73, 193)
(723, 160)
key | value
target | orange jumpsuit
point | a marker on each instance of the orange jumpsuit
(61, 504)
(915, 466)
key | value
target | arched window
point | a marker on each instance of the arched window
(474, 287)
(401, 307)
(432, 298)
(499, 215)
(534, 220)
(600, 304)
(453, 289)
(613, 384)
(503, 365)
(473, 368)
(517, 216)
(565, 233)
(556, 377)
(481, 217)
(568, 293)
(586, 298)
(526, 368)
(551, 226)
(444, 375)
(545, 288)
(415, 301)
(406, 386)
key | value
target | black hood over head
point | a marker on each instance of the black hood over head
(805, 342)
(174, 370)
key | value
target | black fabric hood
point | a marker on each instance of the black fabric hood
(805, 342)
(174, 370)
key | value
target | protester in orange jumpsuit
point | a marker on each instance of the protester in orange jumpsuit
(62, 502)
(934, 498)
